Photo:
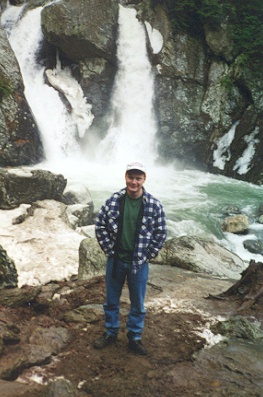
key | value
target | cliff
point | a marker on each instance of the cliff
(208, 79)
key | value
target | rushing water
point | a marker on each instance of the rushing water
(194, 201)
(133, 126)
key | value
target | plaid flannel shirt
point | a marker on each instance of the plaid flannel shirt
(152, 232)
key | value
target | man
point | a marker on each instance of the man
(130, 229)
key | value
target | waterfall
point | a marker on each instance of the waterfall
(244, 163)
(132, 127)
(60, 128)
(193, 200)
(132, 131)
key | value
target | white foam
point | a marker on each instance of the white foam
(222, 153)
(244, 163)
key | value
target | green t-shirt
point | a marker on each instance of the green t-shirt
(130, 217)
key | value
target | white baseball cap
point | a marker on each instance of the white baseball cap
(136, 165)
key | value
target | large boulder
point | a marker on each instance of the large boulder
(92, 260)
(19, 186)
(85, 33)
(220, 40)
(82, 29)
(200, 255)
(20, 142)
(236, 224)
(43, 343)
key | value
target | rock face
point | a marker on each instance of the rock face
(200, 255)
(92, 260)
(86, 33)
(19, 186)
(202, 91)
(20, 143)
(78, 28)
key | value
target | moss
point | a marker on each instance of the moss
(227, 83)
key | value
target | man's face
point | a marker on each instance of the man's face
(134, 182)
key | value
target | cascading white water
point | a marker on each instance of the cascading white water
(59, 128)
(133, 127)
(222, 153)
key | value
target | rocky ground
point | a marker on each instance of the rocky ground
(47, 342)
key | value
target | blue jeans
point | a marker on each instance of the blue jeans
(137, 284)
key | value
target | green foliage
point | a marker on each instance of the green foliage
(227, 83)
(184, 16)
(248, 29)
(245, 16)
(211, 12)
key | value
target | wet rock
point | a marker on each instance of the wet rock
(9, 333)
(200, 255)
(220, 40)
(19, 186)
(42, 344)
(60, 387)
(254, 246)
(85, 314)
(234, 366)
(238, 327)
(8, 272)
(17, 2)
(92, 260)
(18, 389)
(236, 224)
(54, 337)
(20, 142)
(17, 297)
(231, 210)
(94, 34)
(260, 209)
